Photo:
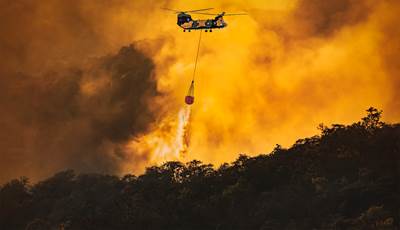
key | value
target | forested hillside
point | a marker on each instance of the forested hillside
(345, 178)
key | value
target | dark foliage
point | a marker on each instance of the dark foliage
(345, 178)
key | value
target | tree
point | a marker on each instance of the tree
(372, 120)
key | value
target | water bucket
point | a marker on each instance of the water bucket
(189, 99)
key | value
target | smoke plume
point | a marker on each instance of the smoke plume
(75, 94)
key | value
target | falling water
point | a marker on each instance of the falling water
(169, 141)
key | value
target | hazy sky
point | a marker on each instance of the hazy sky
(98, 85)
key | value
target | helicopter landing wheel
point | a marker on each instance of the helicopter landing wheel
(184, 30)
(210, 30)
(189, 31)
(205, 30)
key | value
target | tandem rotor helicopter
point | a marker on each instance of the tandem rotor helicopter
(186, 22)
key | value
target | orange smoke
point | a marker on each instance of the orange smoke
(273, 76)
(71, 99)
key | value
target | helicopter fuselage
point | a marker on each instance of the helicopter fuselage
(186, 22)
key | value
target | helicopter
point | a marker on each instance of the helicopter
(186, 22)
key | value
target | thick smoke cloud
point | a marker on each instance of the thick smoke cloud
(324, 18)
(274, 76)
(71, 97)
(390, 47)
(78, 118)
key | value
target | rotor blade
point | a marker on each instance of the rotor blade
(234, 14)
(222, 14)
(191, 11)
(206, 14)
(176, 11)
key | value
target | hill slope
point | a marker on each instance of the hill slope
(345, 178)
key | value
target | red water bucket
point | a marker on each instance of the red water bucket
(189, 100)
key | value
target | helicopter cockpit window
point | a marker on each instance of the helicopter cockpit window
(184, 18)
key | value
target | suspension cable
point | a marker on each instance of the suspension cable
(197, 57)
